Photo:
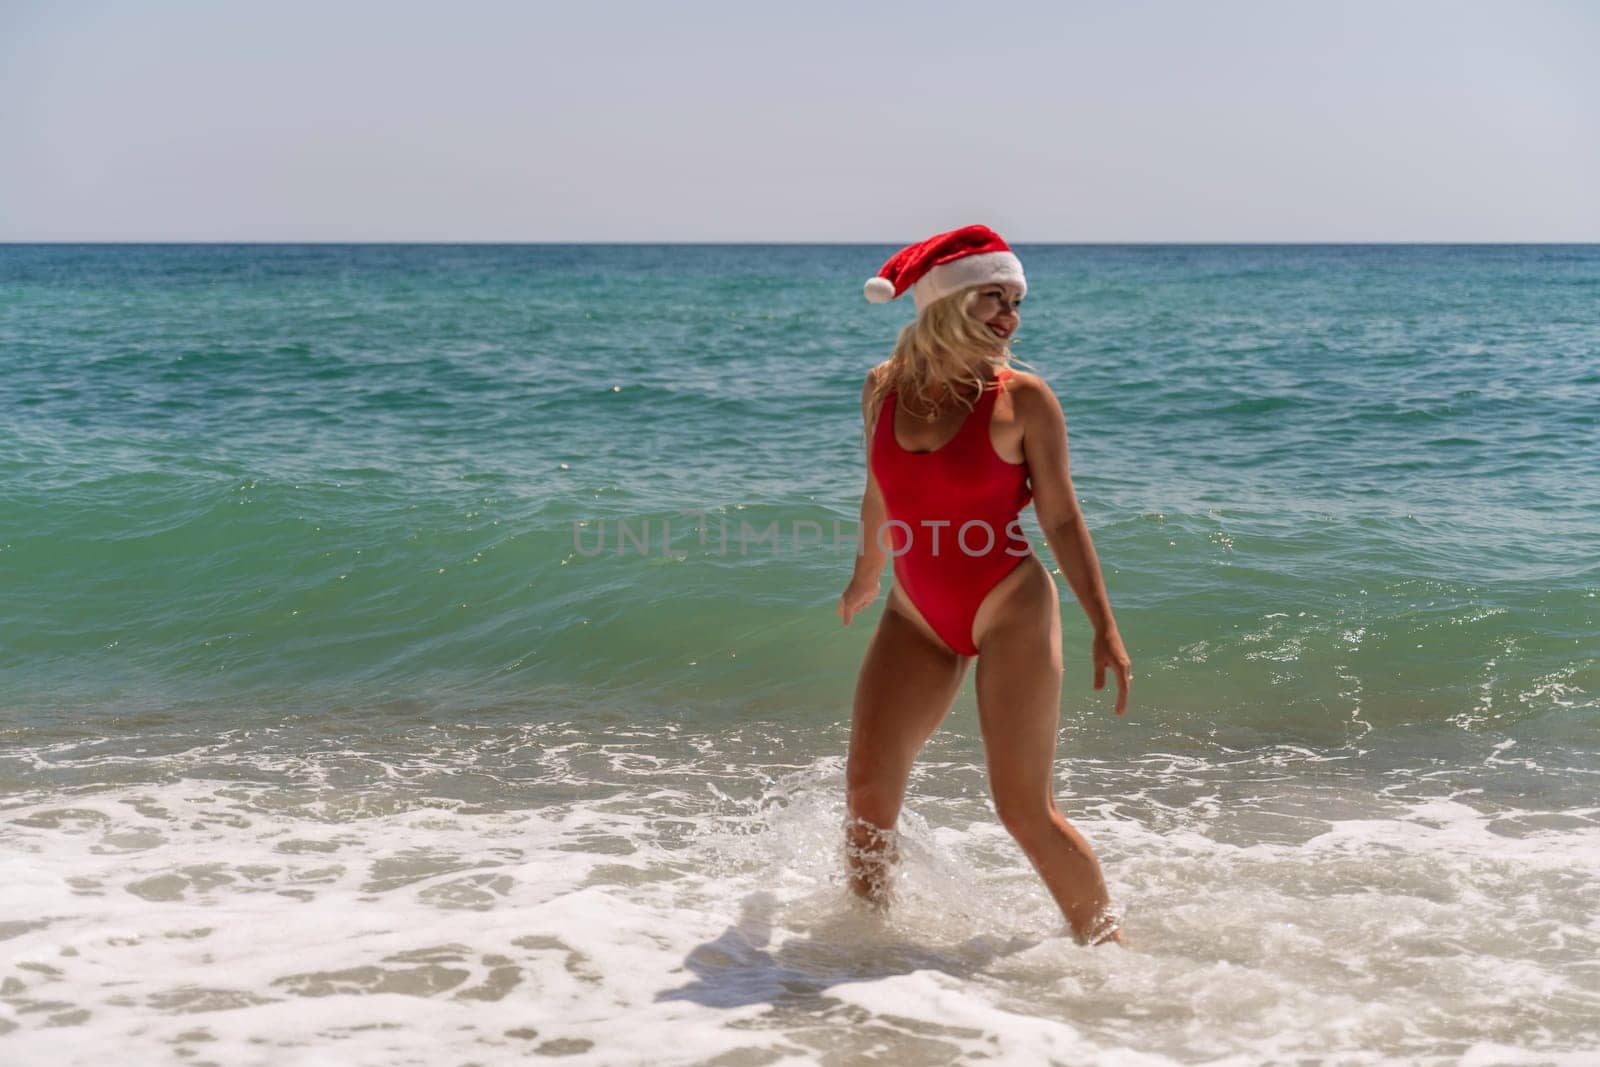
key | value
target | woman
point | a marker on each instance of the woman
(946, 480)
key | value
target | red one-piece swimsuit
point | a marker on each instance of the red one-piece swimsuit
(954, 529)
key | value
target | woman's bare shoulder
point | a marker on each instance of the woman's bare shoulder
(873, 383)
(1032, 394)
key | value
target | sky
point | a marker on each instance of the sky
(879, 122)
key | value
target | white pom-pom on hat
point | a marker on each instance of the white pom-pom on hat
(879, 290)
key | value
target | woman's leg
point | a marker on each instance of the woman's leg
(907, 683)
(1019, 696)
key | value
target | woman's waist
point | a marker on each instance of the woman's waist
(932, 519)
(935, 537)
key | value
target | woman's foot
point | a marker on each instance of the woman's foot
(1105, 930)
(871, 852)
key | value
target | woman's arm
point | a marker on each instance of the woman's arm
(1055, 502)
(866, 578)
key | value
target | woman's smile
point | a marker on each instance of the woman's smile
(996, 307)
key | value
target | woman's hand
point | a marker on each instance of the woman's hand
(1108, 652)
(857, 597)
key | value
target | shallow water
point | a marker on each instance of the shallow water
(384, 888)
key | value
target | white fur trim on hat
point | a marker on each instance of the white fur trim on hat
(879, 290)
(958, 274)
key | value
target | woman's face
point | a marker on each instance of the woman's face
(996, 307)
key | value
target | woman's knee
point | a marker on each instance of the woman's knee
(1031, 822)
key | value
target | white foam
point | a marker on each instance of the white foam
(670, 906)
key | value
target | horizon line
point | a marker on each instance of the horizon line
(784, 243)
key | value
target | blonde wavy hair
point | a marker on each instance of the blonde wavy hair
(934, 356)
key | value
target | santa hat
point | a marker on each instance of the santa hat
(944, 264)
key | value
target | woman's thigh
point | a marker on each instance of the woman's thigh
(1019, 696)
(907, 683)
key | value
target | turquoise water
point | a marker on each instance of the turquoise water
(305, 534)
(261, 475)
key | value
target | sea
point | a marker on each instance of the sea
(428, 655)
